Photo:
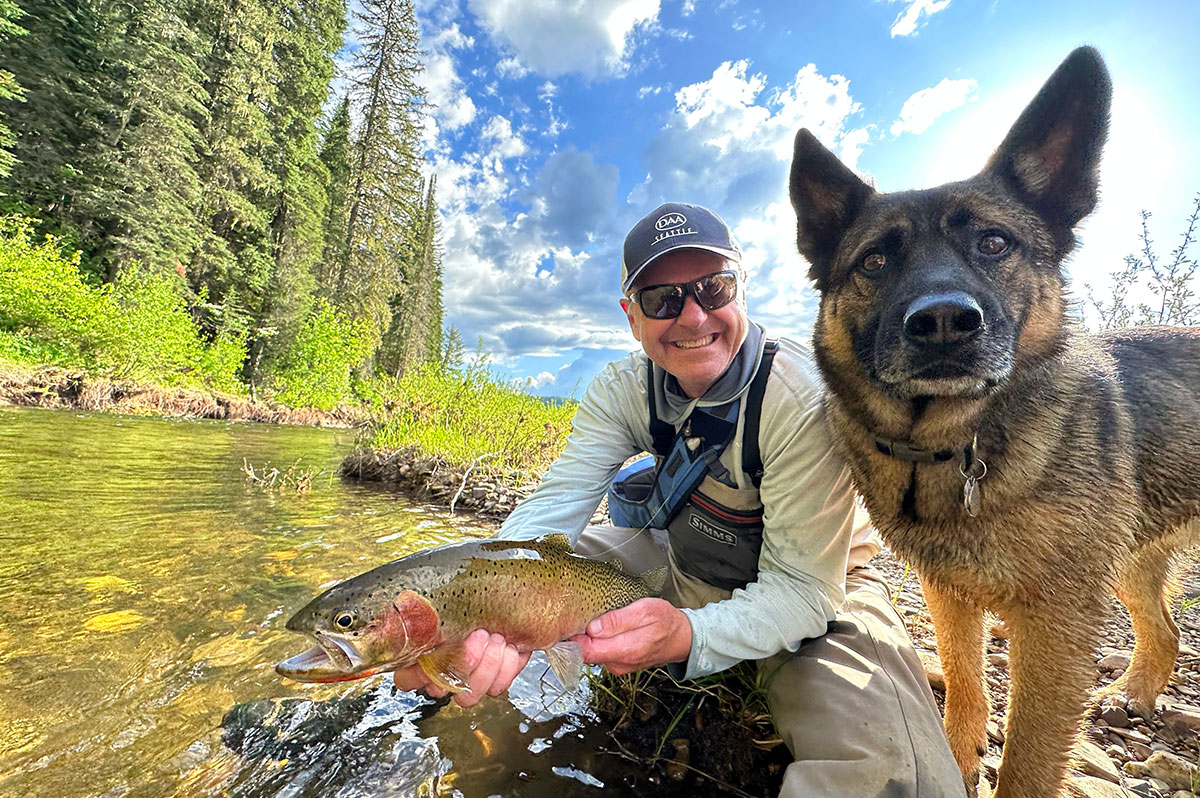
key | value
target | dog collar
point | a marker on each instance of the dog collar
(914, 454)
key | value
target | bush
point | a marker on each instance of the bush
(138, 328)
(315, 372)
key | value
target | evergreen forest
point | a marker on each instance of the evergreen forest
(201, 179)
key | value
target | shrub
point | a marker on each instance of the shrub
(316, 371)
(138, 328)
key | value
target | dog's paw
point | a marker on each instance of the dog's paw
(1119, 695)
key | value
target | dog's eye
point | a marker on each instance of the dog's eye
(993, 244)
(873, 261)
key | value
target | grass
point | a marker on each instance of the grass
(717, 727)
(269, 477)
(470, 418)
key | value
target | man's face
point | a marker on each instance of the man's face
(698, 345)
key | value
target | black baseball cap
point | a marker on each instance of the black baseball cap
(674, 225)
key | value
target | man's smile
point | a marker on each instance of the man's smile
(695, 343)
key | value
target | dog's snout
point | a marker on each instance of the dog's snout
(942, 318)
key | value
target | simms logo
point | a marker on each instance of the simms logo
(710, 531)
(670, 220)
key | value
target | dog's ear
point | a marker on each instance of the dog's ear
(827, 197)
(1051, 156)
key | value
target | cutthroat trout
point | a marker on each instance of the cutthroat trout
(420, 609)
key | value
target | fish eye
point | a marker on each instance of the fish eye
(873, 262)
(344, 619)
(992, 243)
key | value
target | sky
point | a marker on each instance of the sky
(557, 124)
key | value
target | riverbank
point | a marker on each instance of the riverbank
(54, 387)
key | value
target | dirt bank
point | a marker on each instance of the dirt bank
(53, 387)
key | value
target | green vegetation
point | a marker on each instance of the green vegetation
(469, 417)
(136, 328)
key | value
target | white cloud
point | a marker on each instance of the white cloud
(505, 143)
(511, 68)
(555, 37)
(922, 108)
(909, 20)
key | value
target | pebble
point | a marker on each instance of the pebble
(1092, 787)
(1115, 716)
(1089, 759)
(1175, 771)
(1000, 660)
(1116, 661)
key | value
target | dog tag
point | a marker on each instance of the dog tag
(971, 496)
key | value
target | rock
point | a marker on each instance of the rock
(995, 733)
(1181, 722)
(1092, 787)
(1090, 760)
(1129, 734)
(1140, 787)
(933, 669)
(1116, 661)
(1140, 751)
(1177, 772)
(1115, 716)
(999, 660)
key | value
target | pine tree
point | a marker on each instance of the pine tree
(232, 261)
(384, 197)
(414, 334)
(9, 89)
(64, 125)
(152, 195)
(303, 60)
(335, 156)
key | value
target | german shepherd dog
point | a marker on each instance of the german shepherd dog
(1020, 465)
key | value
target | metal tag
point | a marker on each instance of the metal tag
(971, 496)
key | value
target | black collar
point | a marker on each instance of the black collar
(904, 451)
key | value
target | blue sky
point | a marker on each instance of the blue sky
(558, 123)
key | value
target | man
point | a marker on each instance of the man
(754, 515)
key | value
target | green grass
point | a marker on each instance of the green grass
(468, 417)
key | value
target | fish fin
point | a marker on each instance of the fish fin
(655, 580)
(566, 660)
(558, 540)
(444, 668)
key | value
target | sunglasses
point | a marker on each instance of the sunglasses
(665, 301)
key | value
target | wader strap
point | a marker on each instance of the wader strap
(661, 432)
(751, 456)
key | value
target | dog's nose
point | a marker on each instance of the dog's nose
(942, 318)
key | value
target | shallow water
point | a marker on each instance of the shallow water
(144, 583)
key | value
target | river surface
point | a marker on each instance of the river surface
(144, 584)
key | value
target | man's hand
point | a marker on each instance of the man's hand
(491, 662)
(646, 633)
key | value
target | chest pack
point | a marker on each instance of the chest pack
(715, 529)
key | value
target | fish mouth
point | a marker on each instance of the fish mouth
(330, 660)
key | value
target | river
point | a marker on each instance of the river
(144, 584)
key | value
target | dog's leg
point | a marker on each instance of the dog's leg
(1141, 586)
(1051, 667)
(959, 628)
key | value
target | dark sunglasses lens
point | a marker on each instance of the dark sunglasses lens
(661, 301)
(716, 290)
